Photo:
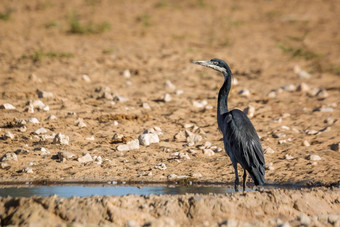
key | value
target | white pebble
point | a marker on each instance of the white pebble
(45, 94)
(147, 139)
(29, 108)
(167, 97)
(160, 166)
(306, 143)
(27, 170)
(7, 106)
(289, 157)
(208, 152)
(40, 131)
(234, 81)
(285, 127)
(312, 132)
(61, 139)
(33, 120)
(90, 138)
(314, 157)
(169, 85)
(85, 158)
(46, 108)
(8, 135)
(244, 92)
(289, 87)
(192, 138)
(268, 150)
(120, 98)
(52, 117)
(131, 145)
(38, 104)
(302, 74)
(250, 111)
(80, 123)
(86, 78)
(115, 123)
(324, 109)
(329, 120)
(179, 92)
(127, 73)
(200, 104)
(269, 166)
(302, 87)
(146, 105)
(9, 157)
(271, 94)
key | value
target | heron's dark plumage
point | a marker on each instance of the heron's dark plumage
(241, 141)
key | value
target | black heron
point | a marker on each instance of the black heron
(241, 141)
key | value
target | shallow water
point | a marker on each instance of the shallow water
(81, 191)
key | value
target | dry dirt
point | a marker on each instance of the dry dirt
(262, 41)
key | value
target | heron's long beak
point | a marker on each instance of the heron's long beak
(211, 65)
(204, 63)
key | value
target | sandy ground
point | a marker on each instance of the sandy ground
(130, 49)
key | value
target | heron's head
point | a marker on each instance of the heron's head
(215, 63)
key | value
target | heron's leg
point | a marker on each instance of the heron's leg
(245, 177)
(237, 181)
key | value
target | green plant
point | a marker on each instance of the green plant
(39, 55)
(51, 25)
(5, 15)
(91, 28)
(145, 19)
(299, 52)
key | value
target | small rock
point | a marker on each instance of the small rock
(302, 87)
(282, 141)
(179, 92)
(324, 109)
(314, 157)
(46, 108)
(98, 160)
(285, 127)
(169, 86)
(7, 106)
(289, 157)
(85, 158)
(4, 165)
(304, 219)
(86, 78)
(61, 139)
(208, 152)
(45, 94)
(306, 143)
(250, 111)
(145, 105)
(119, 98)
(131, 145)
(160, 166)
(234, 81)
(278, 135)
(271, 94)
(38, 104)
(65, 154)
(9, 157)
(312, 132)
(21, 151)
(42, 150)
(196, 175)
(107, 95)
(147, 139)
(335, 147)
(127, 73)
(29, 108)
(181, 136)
(192, 138)
(167, 97)
(269, 166)
(40, 131)
(172, 176)
(79, 122)
(289, 87)
(90, 138)
(33, 120)
(191, 151)
(302, 74)
(208, 107)
(268, 150)
(200, 104)
(27, 170)
(322, 93)
(244, 92)
(52, 117)
(8, 135)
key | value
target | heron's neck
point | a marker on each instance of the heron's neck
(222, 105)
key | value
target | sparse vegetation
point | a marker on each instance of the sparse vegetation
(39, 55)
(5, 15)
(51, 25)
(145, 19)
(90, 28)
(299, 52)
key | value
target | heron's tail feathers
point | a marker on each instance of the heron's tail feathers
(257, 174)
